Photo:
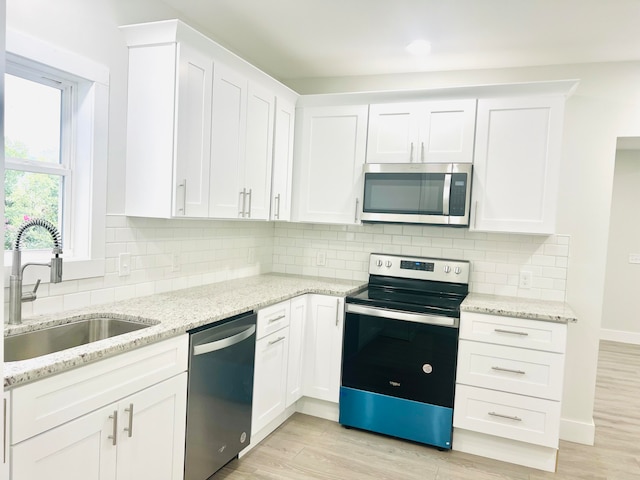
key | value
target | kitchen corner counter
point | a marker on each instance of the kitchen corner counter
(170, 314)
(549, 311)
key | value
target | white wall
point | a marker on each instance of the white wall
(621, 311)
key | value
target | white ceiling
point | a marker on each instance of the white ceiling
(323, 38)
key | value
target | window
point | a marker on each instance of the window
(38, 160)
(56, 131)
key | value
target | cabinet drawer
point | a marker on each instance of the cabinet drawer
(517, 332)
(44, 404)
(507, 415)
(273, 318)
(511, 369)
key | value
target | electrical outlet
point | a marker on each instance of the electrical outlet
(526, 277)
(634, 258)
(124, 264)
(175, 262)
(251, 256)
(321, 259)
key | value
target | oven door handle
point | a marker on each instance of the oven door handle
(405, 316)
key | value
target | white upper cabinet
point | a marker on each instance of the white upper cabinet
(242, 147)
(422, 132)
(330, 152)
(516, 164)
(168, 127)
(200, 139)
(282, 160)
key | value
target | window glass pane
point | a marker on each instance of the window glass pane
(32, 120)
(31, 195)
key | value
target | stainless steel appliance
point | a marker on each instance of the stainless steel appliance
(219, 394)
(431, 193)
(400, 347)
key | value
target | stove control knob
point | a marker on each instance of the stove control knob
(447, 269)
(379, 263)
(458, 270)
(388, 264)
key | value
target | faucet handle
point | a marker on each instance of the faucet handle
(31, 296)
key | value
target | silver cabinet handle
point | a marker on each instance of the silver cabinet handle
(500, 369)
(510, 332)
(114, 435)
(129, 429)
(337, 310)
(275, 319)
(225, 342)
(422, 152)
(279, 339)
(277, 214)
(243, 194)
(183, 186)
(357, 204)
(411, 153)
(475, 214)
(249, 209)
(509, 417)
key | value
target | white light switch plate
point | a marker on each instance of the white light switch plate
(634, 258)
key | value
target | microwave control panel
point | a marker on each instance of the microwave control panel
(458, 194)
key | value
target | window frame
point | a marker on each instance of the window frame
(85, 234)
(21, 68)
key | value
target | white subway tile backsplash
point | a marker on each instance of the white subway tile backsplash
(214, 251)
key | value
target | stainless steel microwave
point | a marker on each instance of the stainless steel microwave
(428, 193)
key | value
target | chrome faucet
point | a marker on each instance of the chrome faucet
(16, 297)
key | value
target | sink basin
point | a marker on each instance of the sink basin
(54, 339)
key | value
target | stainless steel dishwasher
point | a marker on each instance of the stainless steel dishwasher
(219, 394)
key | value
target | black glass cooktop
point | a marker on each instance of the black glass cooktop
(420, 296)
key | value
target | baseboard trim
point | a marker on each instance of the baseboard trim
(318, 408)
(621, 336)
(578, 432)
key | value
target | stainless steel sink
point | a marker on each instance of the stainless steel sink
(55, 339)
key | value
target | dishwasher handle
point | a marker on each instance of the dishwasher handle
(224, 342)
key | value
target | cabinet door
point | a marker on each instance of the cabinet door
(227, 143)
(270, 379)
(447, 131)
(151, 100)
(323, 352)
(78, 450)
(517, 154)
(393, 133)
(151, 432)
(296, 343)
(282, 160)
(329, 162)
(259, 151)
(193, 133)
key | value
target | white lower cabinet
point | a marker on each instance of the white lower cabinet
(140, 437)
(6, 456)
(509, 380)
(323, 348)
(270, 372)
(121, 418)
(297, 325)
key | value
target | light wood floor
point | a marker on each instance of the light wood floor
(306, 448)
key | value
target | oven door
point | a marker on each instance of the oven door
(412, 356)
(417, 193)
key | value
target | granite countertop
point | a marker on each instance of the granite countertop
(170, 314)
(549, 311)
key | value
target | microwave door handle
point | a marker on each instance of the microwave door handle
(446, 192)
